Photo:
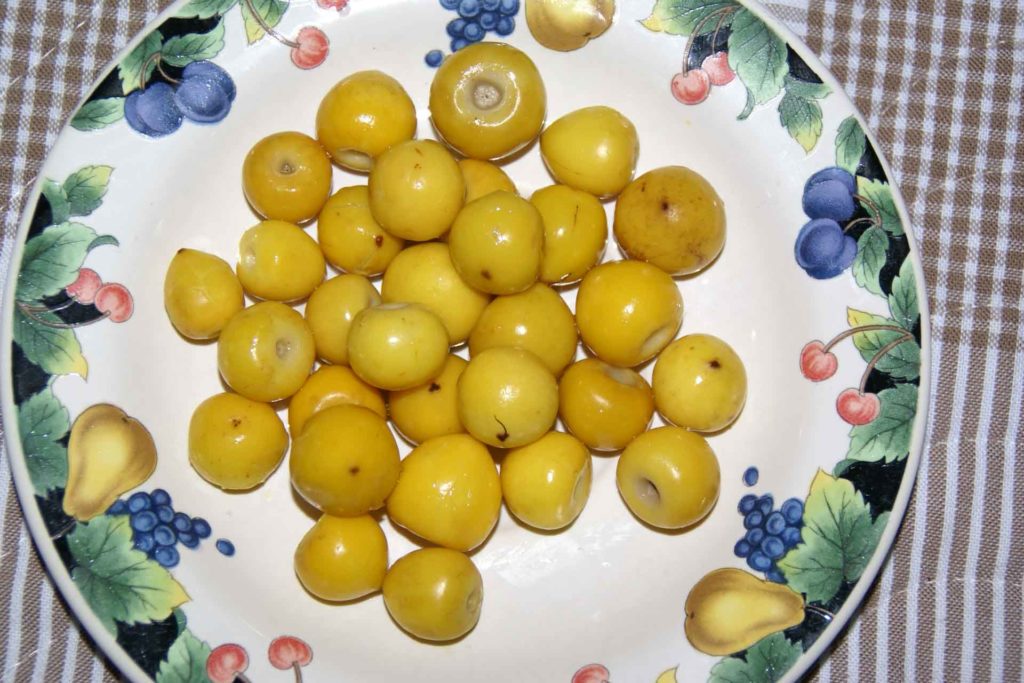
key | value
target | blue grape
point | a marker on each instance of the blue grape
(505, 27)
(829, 199)
(775, 575)
(152, 111)
(225, 547)
(742, 548)
(459, 43)
(202, 100)
(508, 7)
(765, 504)
(166, 556)
(456, 27)
(790, 536)
(473, 32)
(490, 5)
(119, 507)
(139, 501)
(182, 522)
(773, 547)
(488, 20)
(160, 497)
(450, 4)
(144, 521)
(747, 503)
(434, 58)
(164, 535)
(750, 476)
(189, 540)
(759, 561)
(833, 173)
(792, 510)
(201, 528)
(144, 541)
(165, 513)
(823, 250)
(221, 77)
(469, 8)
(775, 523)
(754, 537)
(753, 520)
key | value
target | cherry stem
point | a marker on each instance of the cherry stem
(43, 309)
(877, 213)
(239, 676)
(863, 328)
(820, 611)
(156, 59)
(858, 221)
(905, 337)
(31, 313)
(267, 27)
(62, 532)
(714, 36)
(721, 14)
(298, 672)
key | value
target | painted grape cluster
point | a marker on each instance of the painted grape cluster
(769, 533)
(203, 95)
(476, 18)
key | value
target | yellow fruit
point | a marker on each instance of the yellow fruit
(287, 177)
(547, 483)
(434, 594)
(628, 311)
(497, 243)
(700, 383)
(431, 409)
(671, 217)
(397, 346)
(537, 320)
(362, 116)
(345, 461)
(483, 178)
(488, 100)
(331, 309)
(593, 149)
(604, 406)
(351, 238)
(201, 293)
(278, 261)
(568, 24)
(342, 558)
(575, 232)
(331, 385)
(235, 443)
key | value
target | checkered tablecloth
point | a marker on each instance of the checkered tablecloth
(940, 82)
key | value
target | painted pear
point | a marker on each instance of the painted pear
(730, 609)
(108, 453)
(568, 24)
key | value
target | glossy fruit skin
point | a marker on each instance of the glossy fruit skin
(507, 397)
(497, 243)
(547, 483)
(431, 409)
(668, 477)
(424, 274)
(448, 492)
(628, 311)
(565, 26)
(331, 385)
(331, 309)
(279, 261)
(363, 116)
(345, 461)
(673, 218)
(397, 346)
(351, 238)
(416, 190)
(287, 176)
(575, 233)
(483, 178)
(235, 443)
(488, 100)
(537, 320)
(201, 293)
(266, 351)
(604, 406)
(434, 593)
(700, 383)
(342, 558)
(594, 149)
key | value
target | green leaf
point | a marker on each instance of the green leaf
(42, 422)
(59, 209)
(99, 114)
(120, 583)
(85, 188)
(204, 9)
(802, 118)
(185, 662)
(683, 17)
(102, 241)
(757, 55)
(887, 437)
(748, 108)
(837, 540)
(55, 349)
(903, 299)
(850, 144)
(877, 200)
(766, 661)
(192, 47)
(902, 361)
(806, 89)
(51, 260)
(270, 11)
(871, 253)
(131, 67)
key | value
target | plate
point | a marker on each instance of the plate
(830, 322)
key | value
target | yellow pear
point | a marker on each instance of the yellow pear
(568, 24)
(729, 610)
(108, 453)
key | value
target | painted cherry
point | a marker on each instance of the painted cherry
(332, 4)
(83, 289)
(311, 48)
(115, 301)
(857, 407)
(716, 66)
(226, 663)
(289, 652)
(692, 87)
(591, 673)
(816, 363)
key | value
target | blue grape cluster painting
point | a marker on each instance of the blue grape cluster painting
(157, 529)
(476, 18)
(769, 532)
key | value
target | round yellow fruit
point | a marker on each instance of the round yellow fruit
(700, 383)
(331, 385)
(604, 406)
(565, 26)
(434, 593)
(350, 236)
(593, 149)
(342, 558)
(575, 233)
(279, 261)
(331, 309)
(201, 293)
(483, 178)
(287, 176)
(431, 409)
(397, 346)
(547, 483)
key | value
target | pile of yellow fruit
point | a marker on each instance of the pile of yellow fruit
(464, 259)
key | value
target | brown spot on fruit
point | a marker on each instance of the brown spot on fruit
(379, 240)
(354, 470)
(235, 422)
(485, 274)
(664, 205)
(434, 386)
(715, 364)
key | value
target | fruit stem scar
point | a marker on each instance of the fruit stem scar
(31, 312)
(722, 14)
(267, 27)
(504, 430)
(857, 330)
(905, 337)
(646, 489)
(486, 95)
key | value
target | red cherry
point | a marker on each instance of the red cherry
(312, 48)
(858, 408)
(83, 289)
(692, 87)
(591, 673)
(286, 652)
(816, 363)
(332, 4)
(717, 68)
(116, 301)
(226, 662)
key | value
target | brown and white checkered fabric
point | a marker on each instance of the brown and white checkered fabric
(940, 82)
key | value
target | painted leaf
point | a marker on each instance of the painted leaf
(682, 17)
(42, 422)
(802, 119)
(54, 349)
(98, 114)
(766, 661)
(267, 13)
(204, 9)
(850, 144)
(185, 661)
(51, 260)
(119, 582)
(748, 108)
(903, 299)
(757, 55)
(85, 189)
(877, 200)
(806, 89)
(60, 211)
(870, 259)
(192, 47)
(887, 437)
(131, 67)
(902, 361)
(837, 540)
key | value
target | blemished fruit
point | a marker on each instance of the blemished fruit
(434, 593)
(483, 178)
(546, 483)
(266, 351)
(235, 443)
(507, 397)
(331, 309)
(699, 383)
(345, 461)
(431, 409)
(201, 293)
(350, 236)
(488, 100)
(561, 25)
(628, 311)
(537, 320)
(287, 176)
(331, 385)
(575, 233)
(279, 261)
(361, 117)
(604, 406)
(342, 558)
(673, 218)
(593, 149)
(448, 492)
(668, 477)
(397, 346)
